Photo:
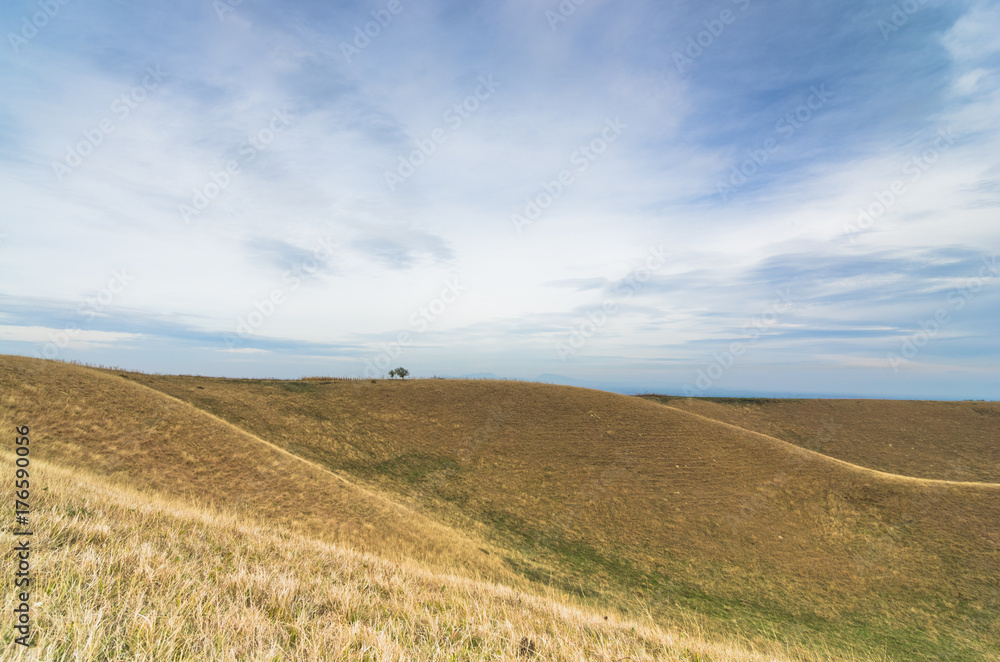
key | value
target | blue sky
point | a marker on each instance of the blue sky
(706, 198)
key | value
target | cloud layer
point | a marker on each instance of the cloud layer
(622, 195)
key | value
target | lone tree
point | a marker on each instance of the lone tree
(399, 372)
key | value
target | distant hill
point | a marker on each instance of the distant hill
(480, 375)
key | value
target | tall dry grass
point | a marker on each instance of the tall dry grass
(122, 576)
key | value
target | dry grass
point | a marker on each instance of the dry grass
(955, 441)
(121, 576)
(643, 511)
(644, 507)
(133, 435)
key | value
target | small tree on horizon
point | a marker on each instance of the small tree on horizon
(399, 372)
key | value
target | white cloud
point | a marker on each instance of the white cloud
(323, 174)
(70, 337)
(975, 35)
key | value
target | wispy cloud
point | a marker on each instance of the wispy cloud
(756, 133)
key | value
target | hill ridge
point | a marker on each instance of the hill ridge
(85, 417)
(850, 465)
(938, 440)
(780, 443)
(274, 447)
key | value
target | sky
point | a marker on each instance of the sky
(699, 198)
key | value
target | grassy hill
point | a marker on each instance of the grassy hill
(649, 508)
(136, 437)
(165, 533)
(948, 440)
(125, 576)
(645, 513)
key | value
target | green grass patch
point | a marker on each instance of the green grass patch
(414, 468)
(295, 386)
(549, 558)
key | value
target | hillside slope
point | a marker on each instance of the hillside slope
(122, 576)
(957, 441)
(650, 508)
(139, 437)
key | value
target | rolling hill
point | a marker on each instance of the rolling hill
(642, 512)
(123, 575)
(957, 441)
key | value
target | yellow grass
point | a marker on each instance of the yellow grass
(132, 435)
(121, 576)
(645, 513)
(954, 441)
(650, 508)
